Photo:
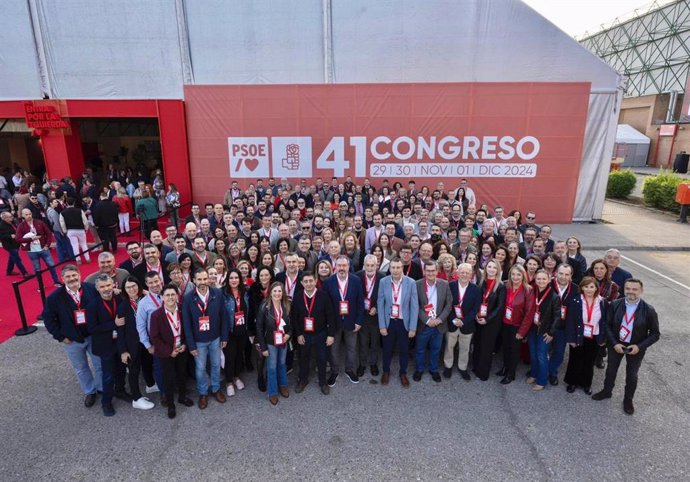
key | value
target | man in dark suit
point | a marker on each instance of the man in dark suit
(64, 316)
(369, 336)
(347, 298)
(314, 323)
(435, 302)
(466, 300)
(134, 251)
(152, 262)
(102, 324)
(291, 277)
(567, 290)
(631, 327)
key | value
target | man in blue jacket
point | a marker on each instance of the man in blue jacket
(398, 308)
(64, 316)
(206, 332)
(347, 298)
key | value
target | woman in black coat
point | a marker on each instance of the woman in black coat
(489, 319)
(547, 317)
(585, 333)
(257, 294)
(128, 344)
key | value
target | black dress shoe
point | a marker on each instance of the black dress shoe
(506, 380)
(187, 402)
(374, 370)
(602, 395)
(417, 376)
(628, 406)
(570, 388)
(501, 372)
(447, 372)
(124, 396)
(171, 411)
(587, 390)
(465, 376)
(435, 376)
(262, 384)
(108, 410)
(90, 399)
(361, 370)
(553, 380)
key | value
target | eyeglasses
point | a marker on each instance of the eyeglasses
(530, 217)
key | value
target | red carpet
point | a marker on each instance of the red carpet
(31, 298)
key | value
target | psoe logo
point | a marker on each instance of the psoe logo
(291, 157)
(248, 157)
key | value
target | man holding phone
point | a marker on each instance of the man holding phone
(632, 326)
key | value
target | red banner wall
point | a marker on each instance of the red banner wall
(518, 144)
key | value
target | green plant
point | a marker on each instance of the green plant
(660, 191)
(621, 183)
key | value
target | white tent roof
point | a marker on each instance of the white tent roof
(131, 49)
(627, 134)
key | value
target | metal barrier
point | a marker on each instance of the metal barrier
(27, 329)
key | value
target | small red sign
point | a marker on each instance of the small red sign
(44, 115)
(667, 130)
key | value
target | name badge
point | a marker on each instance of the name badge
(588, 330)
(278, 339)
(564, 311)
(308, 324)
(239, 318)
(509, 313)
(344, 308)
(204, 323)
(458, 311)
(395, 311)
(537, 318)
(114, 334)
(483, 310)
(80, 317)
(623, 334)
(178, 342)
(367, 304)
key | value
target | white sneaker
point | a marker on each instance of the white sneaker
(231, 390)
(238, 384)
(153, 389)
(143, 404)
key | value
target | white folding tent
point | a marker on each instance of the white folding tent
(131, 49)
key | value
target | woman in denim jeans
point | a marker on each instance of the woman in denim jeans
(547, 315)
(273, 331)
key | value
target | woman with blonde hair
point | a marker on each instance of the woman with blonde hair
(517, 319)
(488, 319)
(447, 267)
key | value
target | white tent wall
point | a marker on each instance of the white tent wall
(19, 73)
(124, 49)
(129, 49)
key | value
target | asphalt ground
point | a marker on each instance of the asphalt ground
(454, 430)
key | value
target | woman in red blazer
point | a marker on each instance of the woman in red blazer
(517, 319)
(167, 337)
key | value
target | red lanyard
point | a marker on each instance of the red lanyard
(343, 290)
(290, 285)
(429, 289)
(278, 312)
(174, 324)
(202, 261)
(111, 309)
(541, 300)
(409, 268)
(309, 306)
(203, 307)
(155, 301)
(134, 305)
(489, 287)
(369, 284)
(77, 300)
(567, 292)
(628, 321)
(460, 298)
(238, 299)
(396, 291)
(590, 309)
(158, 269)
(511, 295)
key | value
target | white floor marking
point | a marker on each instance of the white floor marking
(656, 272)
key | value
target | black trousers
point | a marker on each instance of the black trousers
(484, 343)
(632, 366)
(316, 341)
(234, 356)
(581, 363)
(174, 376)
(134, 367)
(511, 349)
(146, 362)
(109, 238)
(150, 225)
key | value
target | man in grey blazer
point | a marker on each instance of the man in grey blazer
(398, 308)
(435, 302)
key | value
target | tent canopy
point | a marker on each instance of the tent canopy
(627, 134)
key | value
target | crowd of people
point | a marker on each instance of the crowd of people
(338, 277)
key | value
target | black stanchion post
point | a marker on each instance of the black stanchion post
(25, 329)
(683, 214)
(41, 287)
